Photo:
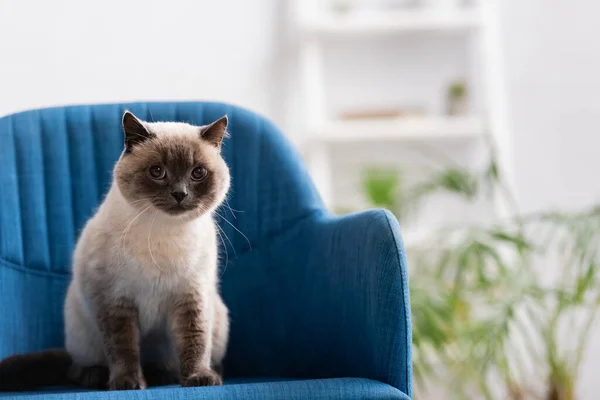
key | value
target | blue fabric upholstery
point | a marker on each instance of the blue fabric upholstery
(312, 296)
(255, 389)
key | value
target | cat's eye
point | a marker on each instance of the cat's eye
(199, 173)
(156, 172)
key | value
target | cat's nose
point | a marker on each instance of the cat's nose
(179, 196)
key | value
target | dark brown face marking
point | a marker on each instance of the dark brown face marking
(178, 190)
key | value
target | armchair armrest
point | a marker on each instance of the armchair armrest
(326, 298)
(361, 296)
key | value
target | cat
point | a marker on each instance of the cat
(143, 306)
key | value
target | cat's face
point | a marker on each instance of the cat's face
(174, 167)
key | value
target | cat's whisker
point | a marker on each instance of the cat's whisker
(230, 209)
(150, 247)
(145, 198)
(130, 223)
(234, 227)
(233, 209)
(201, 211)
(226, 203)
(126, 230)
(225, 248)
(229, 240)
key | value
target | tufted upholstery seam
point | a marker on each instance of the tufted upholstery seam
(97, 156)
(45, 195)
(178, 116)
(31, 271)
(93, 151)
(18, 193)
(69, 174)
(13, 193)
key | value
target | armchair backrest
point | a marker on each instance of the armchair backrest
(55, 167)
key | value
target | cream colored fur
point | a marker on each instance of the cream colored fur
(135, 250)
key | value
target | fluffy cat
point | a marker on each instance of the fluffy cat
(143, 307)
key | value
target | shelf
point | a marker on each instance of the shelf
(387, 129)
(391, 21)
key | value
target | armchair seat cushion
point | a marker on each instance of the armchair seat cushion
(247, 388)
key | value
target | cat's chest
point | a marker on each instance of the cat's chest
(170, 250)
(155, 291)
(162, 266)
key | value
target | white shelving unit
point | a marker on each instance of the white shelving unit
(479, 21)
(401, 128)
(389, 22)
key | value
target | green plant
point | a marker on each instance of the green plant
(457, 90)
(482, 310)
(382, 186)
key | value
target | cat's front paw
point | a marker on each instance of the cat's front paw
(127, 382)
(202, 378)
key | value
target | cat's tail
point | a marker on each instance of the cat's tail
(35, 370)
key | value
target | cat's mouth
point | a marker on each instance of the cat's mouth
(178, 209)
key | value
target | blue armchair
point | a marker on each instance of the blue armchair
(319, 304)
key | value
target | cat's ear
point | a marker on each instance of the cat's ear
(135, 131)
(215, 133)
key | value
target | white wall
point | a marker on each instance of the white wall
(70, 51)
(553, 64)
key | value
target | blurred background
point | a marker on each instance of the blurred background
(472, 120)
